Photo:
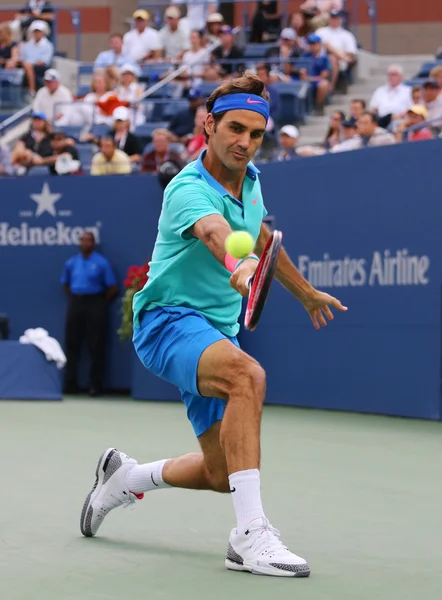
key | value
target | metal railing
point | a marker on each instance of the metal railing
(431, 123)
(75, 19)
(373, 14)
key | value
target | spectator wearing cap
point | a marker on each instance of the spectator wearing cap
(160, 153)
(33, 144)
(54, 99)
(197, 14)
(288, 138)
(61, 148)
(391, 101)
(267, 20)
(287, 46)
(124, 139)
(36, 10)
(174, 39)
(130, 92)
(110, 160)
(36, 55)
(114, 56)
(432, 100)
(341, 46)
(350, 140)
(213, 27)
(196, 58)
(371, 134)
(416, 115)
(317, 72)
(182, 124)
(142, 43)
(227, 51)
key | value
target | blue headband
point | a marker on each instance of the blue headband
(242, 102)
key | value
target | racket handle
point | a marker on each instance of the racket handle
(249, 282)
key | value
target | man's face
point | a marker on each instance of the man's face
(335, 22)
(38, 35)
(315, 48)
(173, 23)
(287, 43)
(236, 138)
(365, 125)
(414, 119)
(226, 39)
(394, 77)
(429, 94)
(52, 86)
(348, 132)
(121, 126)
(107, 148)
(195, 39)
(286, 142)
(140, 25)
(116, 44)
(58, 142)
(87, 243)
(356, 109)
(160, 143)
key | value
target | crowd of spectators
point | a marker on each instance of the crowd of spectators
(205, 49)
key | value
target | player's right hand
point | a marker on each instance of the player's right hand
(239, 278)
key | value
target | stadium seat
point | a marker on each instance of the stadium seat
(39, 171)
(256, 50)
(154, 71)
(11, 88)
(427, 67)
(100, 130)
(417, 81)
(72, 131)
(86, 152)
(86, 69)
(172, 108)
(82, 90)
(293, 102)
(144, 132)
(167, 90)
(207, 87)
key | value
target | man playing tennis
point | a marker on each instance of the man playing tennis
(185, 323)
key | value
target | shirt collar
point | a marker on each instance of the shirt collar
(251, 172)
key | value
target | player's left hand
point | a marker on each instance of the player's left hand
(318, 307)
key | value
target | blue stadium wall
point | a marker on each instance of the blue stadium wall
(364, 226)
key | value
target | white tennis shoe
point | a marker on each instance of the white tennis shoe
(259, 550)
(109, 491)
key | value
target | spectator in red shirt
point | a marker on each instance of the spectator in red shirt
(160, 153)
(197, 142)
(416, 115)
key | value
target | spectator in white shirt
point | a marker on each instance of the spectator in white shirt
(340, 44)
(36, 55)
(196, 58)
(53, 99)
(391, 101)
(213, 27)
(432, 100)
(113, 57)
(142, 43)
(197, 14)
(350, 140)
(131, 91)
(371, 134)
(318, 11)
(174, 39)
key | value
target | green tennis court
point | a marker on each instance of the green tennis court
(359, 496)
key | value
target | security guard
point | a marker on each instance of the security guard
(90, 284)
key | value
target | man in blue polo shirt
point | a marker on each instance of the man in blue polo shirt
(90, 284)
(185, 326)
(318, 71)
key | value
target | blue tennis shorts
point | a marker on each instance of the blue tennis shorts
(169, 343)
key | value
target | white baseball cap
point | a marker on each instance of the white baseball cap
(290, 130)
(52, 75)
(288, 34)
(38, 25)
(121, 113)
(173, 12)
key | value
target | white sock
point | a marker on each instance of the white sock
(245, 487)
(147, 477)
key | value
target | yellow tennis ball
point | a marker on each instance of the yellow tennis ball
(239, 244)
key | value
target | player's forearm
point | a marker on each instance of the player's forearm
(213, 231)
(286, 272)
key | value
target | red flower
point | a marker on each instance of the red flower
(137, 276)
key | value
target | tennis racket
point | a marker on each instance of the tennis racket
(259, 284)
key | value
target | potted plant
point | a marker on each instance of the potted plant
(136, 279)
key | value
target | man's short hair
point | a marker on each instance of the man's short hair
(360, 101)
(372, 116)
(108, 138)
(263, 67)
(161, 131)
(118, 35)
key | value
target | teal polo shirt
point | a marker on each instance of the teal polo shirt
(183, 272)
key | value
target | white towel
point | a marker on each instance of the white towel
(48, 345)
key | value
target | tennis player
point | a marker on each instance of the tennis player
(185, 326)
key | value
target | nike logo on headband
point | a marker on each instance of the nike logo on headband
(250, 101)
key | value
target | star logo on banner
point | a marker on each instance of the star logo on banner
(46, 201)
